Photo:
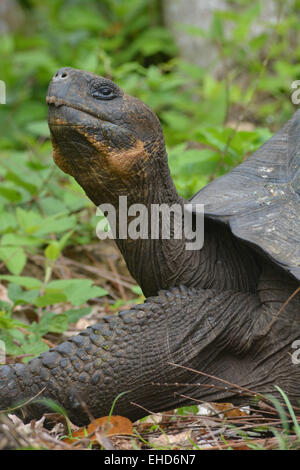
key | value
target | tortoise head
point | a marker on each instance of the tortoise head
(103, 137)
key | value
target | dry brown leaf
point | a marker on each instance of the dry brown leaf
(110, 426)
(229, 410)
(123, 443)
(15, 434)
(182, 438)
(3, 294)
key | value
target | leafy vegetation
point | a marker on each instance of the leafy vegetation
(42, 211)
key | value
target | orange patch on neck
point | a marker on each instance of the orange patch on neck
(60, 161)
(121, 161)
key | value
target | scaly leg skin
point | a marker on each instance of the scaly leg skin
(132, 351)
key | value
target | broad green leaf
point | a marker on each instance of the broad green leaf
(29, 221)
(58, 323)
(34, 345)
(55, 225)
(11, 194)
(11, 342)
(52, 205)
(75, 314)
(14, 291)
(14, 239)
(18, 296)
(78, 291)
(75, 202)
(14, 258)
(8, 221)
(50, 298)
(25, 281)
(7, 322)
(50, 322)
(31, 188)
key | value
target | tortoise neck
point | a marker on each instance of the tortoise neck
(138, 227)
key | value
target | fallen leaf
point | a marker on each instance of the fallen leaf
(3, 294)
(229, 410)
(15, 434)
(123, 443)
(182, 438)
(109, 426)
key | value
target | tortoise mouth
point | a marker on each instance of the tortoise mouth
(54, 103)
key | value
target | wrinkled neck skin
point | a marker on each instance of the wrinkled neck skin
(154, 264)
(163, 263)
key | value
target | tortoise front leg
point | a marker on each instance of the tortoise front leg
(133, 352)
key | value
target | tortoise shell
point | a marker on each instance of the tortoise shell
(260, 198)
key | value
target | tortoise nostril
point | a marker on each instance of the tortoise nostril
(60, 75)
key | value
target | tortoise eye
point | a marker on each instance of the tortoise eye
(104, 93)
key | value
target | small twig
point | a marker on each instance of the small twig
(281, 309)
(143, 408)
(99, 272)
(119, 284)
(242, 389)
(91, 269)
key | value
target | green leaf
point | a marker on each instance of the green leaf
(14, 292)
(21, 240)
(52, 205)
(52, 251)
(29, 221)
(31, 188)
(75, 202)
(8, 221)
(137, 290)
(5, 306)
(75, 314)
(14, 259)
(11, 339)
(59, 323)
(11, 194)
(50, 297)
(78, 291)
(7, 322)
(18, 296)
(34, 345)
(25, 281)
(50, 322)
(54, 224)
(74, 17)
